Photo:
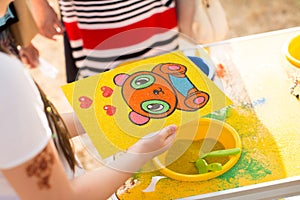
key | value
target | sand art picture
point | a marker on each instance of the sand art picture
(122, 105)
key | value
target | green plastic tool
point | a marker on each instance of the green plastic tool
(203, 167)
(224, 152)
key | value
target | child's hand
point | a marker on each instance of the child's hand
(29, 55)
(155, 143)
(144, 150)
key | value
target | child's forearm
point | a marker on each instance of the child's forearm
(108, 178)
(73, 125)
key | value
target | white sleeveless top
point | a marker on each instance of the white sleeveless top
(24, 126)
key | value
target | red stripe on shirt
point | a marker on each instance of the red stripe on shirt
(102, 38)
(73, 31)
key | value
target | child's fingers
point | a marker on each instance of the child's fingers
(170, 139)
(168, 131)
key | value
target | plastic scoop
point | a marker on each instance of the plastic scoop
(152, 185)
(224, 152)
(203, 167)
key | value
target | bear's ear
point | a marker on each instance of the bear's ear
(138, 119)
(119, 79)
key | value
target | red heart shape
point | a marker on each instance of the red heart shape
(86, 102)
(110, 110)
(106, 91)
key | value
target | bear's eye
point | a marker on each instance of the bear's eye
(142, 81)
(155, 106)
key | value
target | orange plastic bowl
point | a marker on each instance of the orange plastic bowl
(292, 51)
(226, 135)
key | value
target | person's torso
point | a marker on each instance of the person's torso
(104, 34)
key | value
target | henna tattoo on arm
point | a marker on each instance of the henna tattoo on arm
(41, 168)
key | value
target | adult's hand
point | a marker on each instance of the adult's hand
(46, 19)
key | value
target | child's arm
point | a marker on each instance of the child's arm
(43, 177)
(73, 125)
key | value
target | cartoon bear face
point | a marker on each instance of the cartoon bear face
(147, 94)
(157, 93)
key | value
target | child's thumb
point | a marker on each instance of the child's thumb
(169, 133)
